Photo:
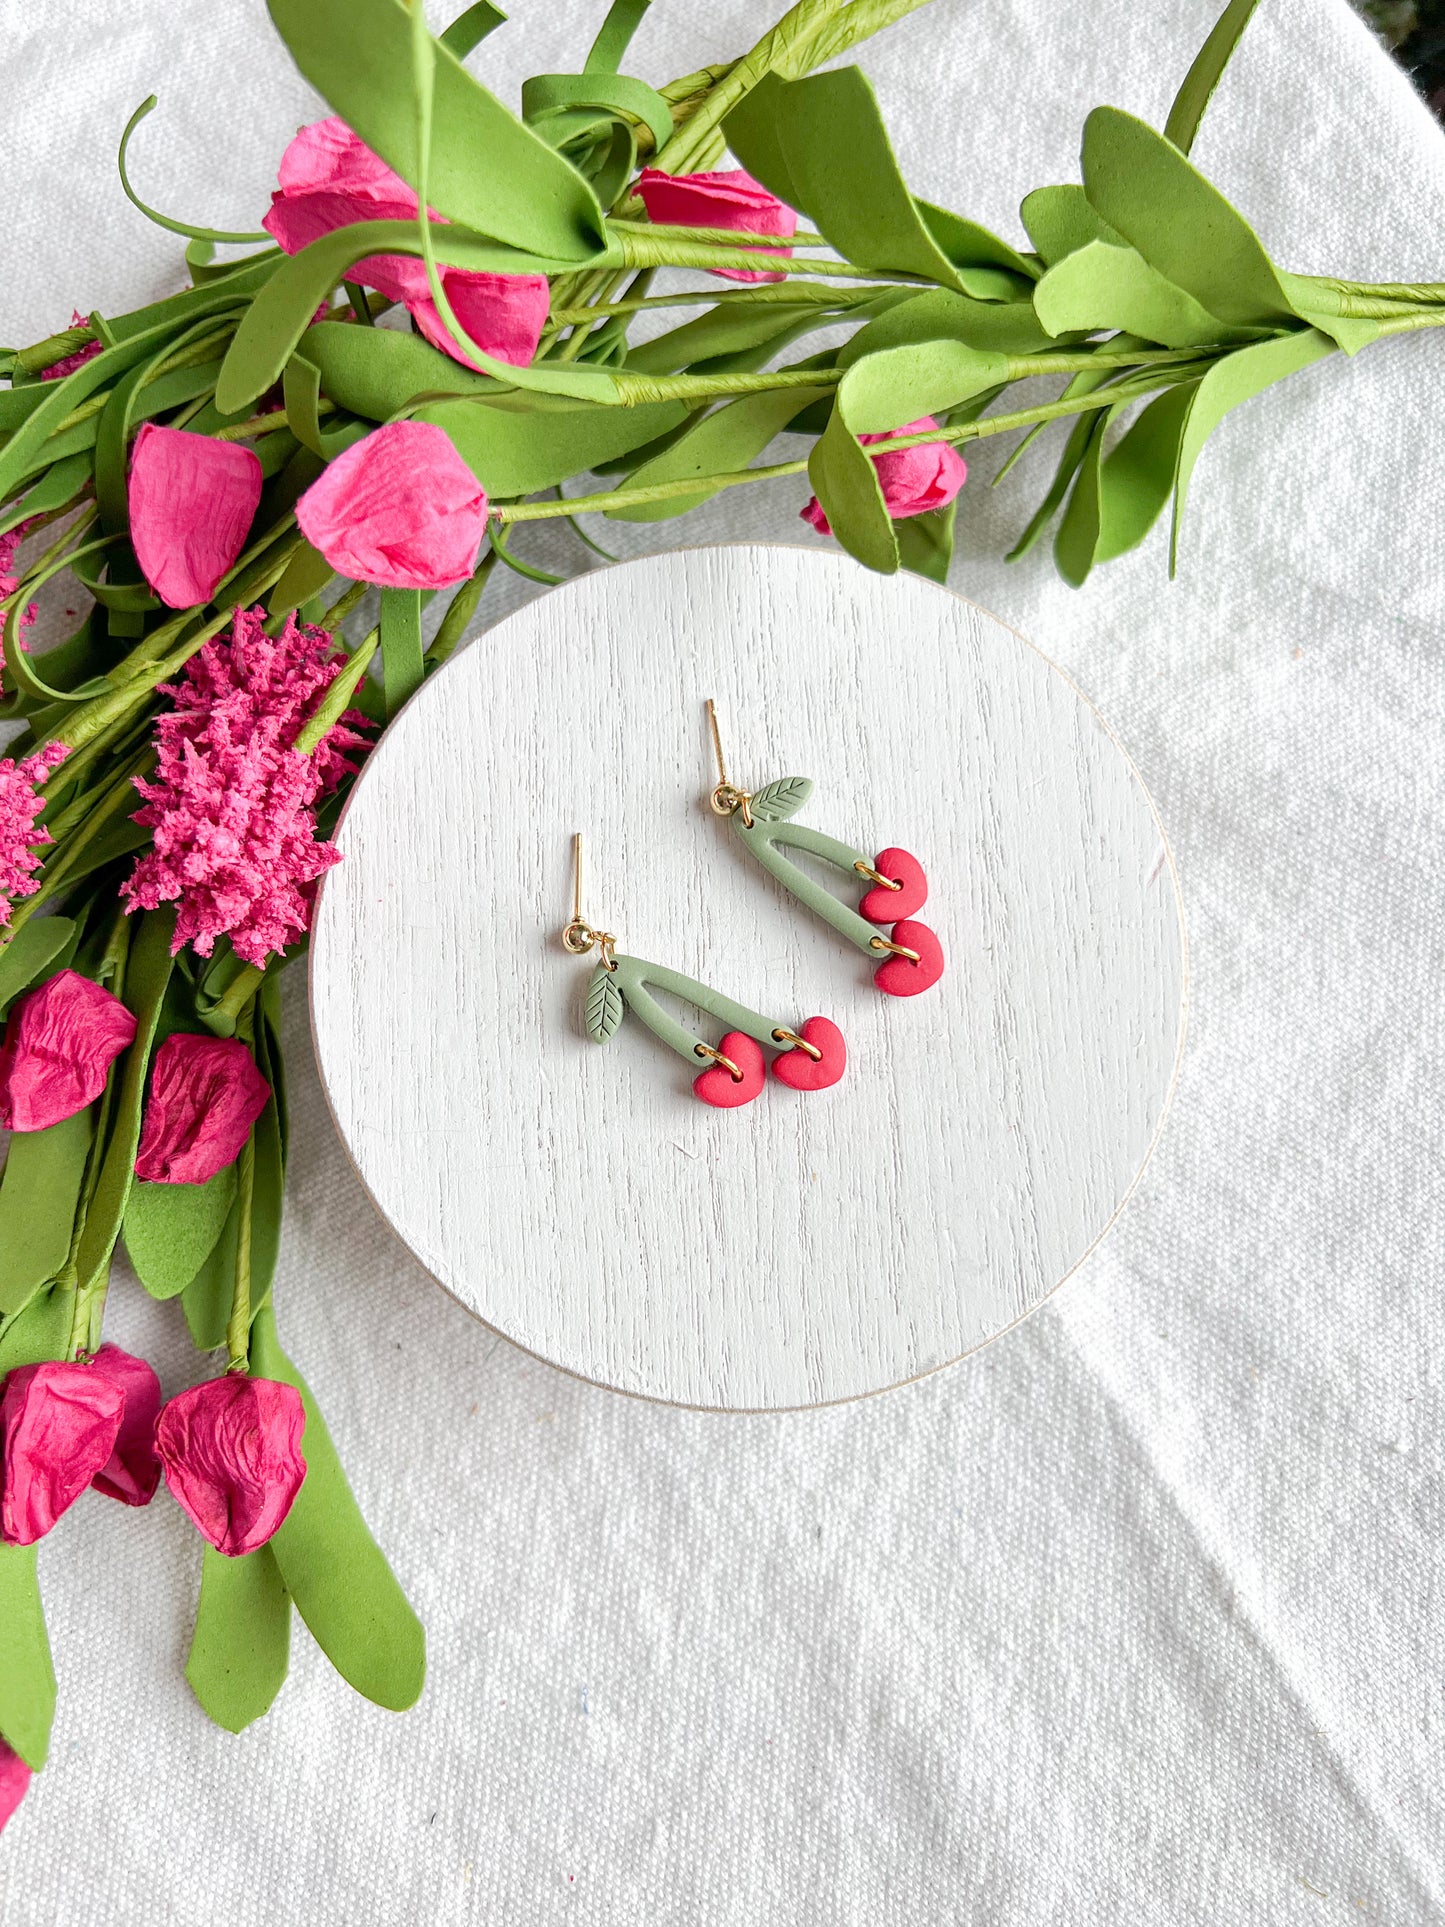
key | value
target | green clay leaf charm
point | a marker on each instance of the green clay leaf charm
(776, 802)
(604, 1007)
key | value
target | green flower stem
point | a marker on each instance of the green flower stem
(339, 691)
(1403, 324)
(54, 348)
(1421, 293)
(189, 357)
(238, 1325)
(863, 18)
(41, 570)
(792, 293)
(460, 611)
(234, 1004)
(797, 28)
(640, 246)
(266, 424)
(736, 240)
(699, 484)
(632, 389)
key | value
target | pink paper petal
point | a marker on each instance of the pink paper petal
(191, 501)
(231, 1449)
(400, 508)
(502, 313)
(58, 1427)
(14, 1782)
(205, 1095)
(727, 198)
(132, 1472)
(59, 1045)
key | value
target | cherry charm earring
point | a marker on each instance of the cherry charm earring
(810, 1058)
(912, 957)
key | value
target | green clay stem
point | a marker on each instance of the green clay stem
(762, 841)
(632, 976)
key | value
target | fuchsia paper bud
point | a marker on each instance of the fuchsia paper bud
(730, 198)
(400, 508)
(329, 179)
(206, 1093)
(132, 1472)
(502, 313)
(231, 1450)
(59, 1045)
(913, 480)
(191, 501)
(14, 1782)
(58, 1427)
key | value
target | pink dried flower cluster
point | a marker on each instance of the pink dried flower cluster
(20, 804)
(10, 581)
(232, 804)
(68, 364)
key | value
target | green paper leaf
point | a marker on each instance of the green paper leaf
(401, 651)
(27, 1677)
(1143, 186)
(1059, 220)
(301, 390)
(731, 328)
(333, 1568)
(1075, 448)
(171, 1229)
(1229, 382)
(1204, 75)
(471, 28)
(39, 1191)
(776, 802)
(603, 1010)
(999, 327)
(846, 484)
(39, 1332)
(1102, 286)
(206, 1300)
(925, 542)
(487, 170)
(380, 372)
(518, 444)
(1137, 475)
(614, 36)
(282, 311)
(820, 145)
(618, 97)
(728, 439)
(241, 1647)
(148, 971)
(34, 945)
(307, 574)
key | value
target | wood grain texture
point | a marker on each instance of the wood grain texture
(812, 1247)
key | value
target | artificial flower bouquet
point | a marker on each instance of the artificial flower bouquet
(428, 338)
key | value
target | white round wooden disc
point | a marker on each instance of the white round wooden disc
(808, 1247)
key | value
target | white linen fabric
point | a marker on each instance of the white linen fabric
(1136, 1617)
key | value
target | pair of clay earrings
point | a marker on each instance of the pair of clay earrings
(815, 1055)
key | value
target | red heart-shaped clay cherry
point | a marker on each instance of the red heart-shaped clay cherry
(718, 1086)
(805, 1073)
(881, 905)
(900, 976)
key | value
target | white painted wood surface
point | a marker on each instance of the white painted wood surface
(807, 1248)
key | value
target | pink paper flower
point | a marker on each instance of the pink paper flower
(400, 508)
(502, 313)
(58, 1427)
(329, 179)
(59, 1045)
(14, 1782)
(232, 804)
(191, 501)
(206, 1093)
(913, 480)
(20, 838)
(231, 1450)
(730, 199)
(132, 1472)
(77, 358)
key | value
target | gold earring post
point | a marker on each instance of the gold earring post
(579, 937)
(726, 797)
